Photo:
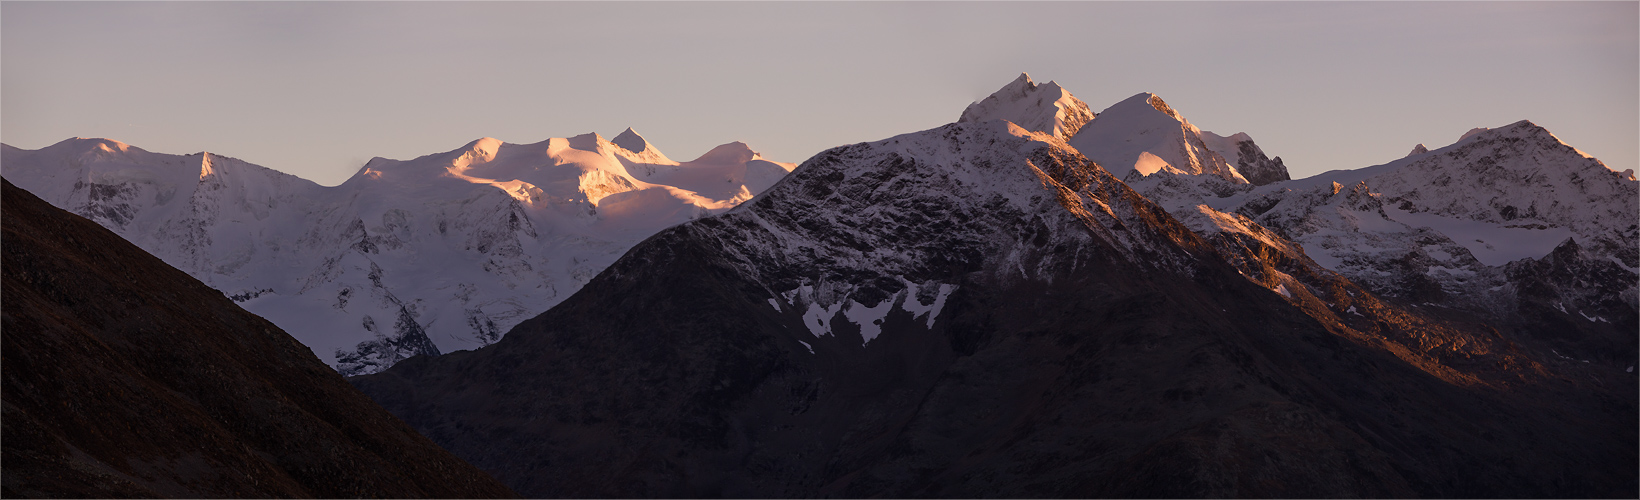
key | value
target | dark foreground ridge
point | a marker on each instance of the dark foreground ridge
(977, 311)
(124, 378)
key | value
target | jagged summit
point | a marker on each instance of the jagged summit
(1046, 108)
(1240, 151)
(1418, 150)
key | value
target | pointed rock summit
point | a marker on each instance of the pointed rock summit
(1418, 150)
(1046, 108)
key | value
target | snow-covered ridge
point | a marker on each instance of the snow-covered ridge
(1498, 181)
(439, 253)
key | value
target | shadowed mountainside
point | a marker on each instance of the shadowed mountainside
(124, 377)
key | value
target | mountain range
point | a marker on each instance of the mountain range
(1042, 301)
(1035, 300)
(441, 253)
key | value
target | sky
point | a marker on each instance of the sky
(316, 89)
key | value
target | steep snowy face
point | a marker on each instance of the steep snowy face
(863, 231)
(1046, 108)
(1348, 230)
(440, 253)
(1142, 135)
(1249, 160)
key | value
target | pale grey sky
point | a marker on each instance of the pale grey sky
(317, 88)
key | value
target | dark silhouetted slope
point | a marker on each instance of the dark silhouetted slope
(124, 377)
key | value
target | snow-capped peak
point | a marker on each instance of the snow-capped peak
(1143, 134)
(631, 141)
(587, 142)
(633, 147)
(1046, 108)
(1418, 150)
(734, 152)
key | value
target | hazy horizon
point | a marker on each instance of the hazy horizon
(317, 89)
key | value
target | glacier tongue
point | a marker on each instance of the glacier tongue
(441, 253)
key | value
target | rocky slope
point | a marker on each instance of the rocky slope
(979, 310)
(350, 270)
(127, 378)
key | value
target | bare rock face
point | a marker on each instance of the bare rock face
(125, 377)
(979, 310)
(1258, 168)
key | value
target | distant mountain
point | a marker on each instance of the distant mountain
(440, 253)
(1451, 228)
(980, 310)
(1455, 227)
(1142, 135)
(126, 378)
